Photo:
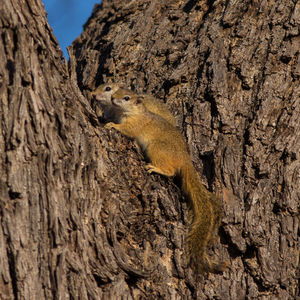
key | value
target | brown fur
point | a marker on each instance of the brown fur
(110, 113)
(167, 152)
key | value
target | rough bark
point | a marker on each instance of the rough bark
(80, 217)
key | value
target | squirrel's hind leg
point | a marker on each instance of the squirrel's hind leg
(160, 161)
(166, 171)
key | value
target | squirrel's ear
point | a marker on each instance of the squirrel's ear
(139, 99)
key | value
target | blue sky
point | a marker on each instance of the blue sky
(66, 17)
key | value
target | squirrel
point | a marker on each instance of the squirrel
(167, 152)
(101, 103)
(111, 113)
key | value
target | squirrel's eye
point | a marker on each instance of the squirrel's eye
(107, 89)
(126, 98)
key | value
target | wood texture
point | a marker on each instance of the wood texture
(80, 217)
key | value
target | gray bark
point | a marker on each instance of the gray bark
(80, 217)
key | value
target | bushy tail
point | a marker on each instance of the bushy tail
(207, 214)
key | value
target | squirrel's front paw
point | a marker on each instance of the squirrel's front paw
(109, 125)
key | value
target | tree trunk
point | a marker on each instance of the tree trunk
(80, 216)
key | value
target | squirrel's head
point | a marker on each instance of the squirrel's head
(128, 101)
(104, 91)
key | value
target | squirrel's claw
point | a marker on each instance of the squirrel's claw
(109, 125)
(149, 168)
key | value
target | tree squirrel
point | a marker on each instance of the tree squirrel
(101, 103)
(112, 113)
(166, 150)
